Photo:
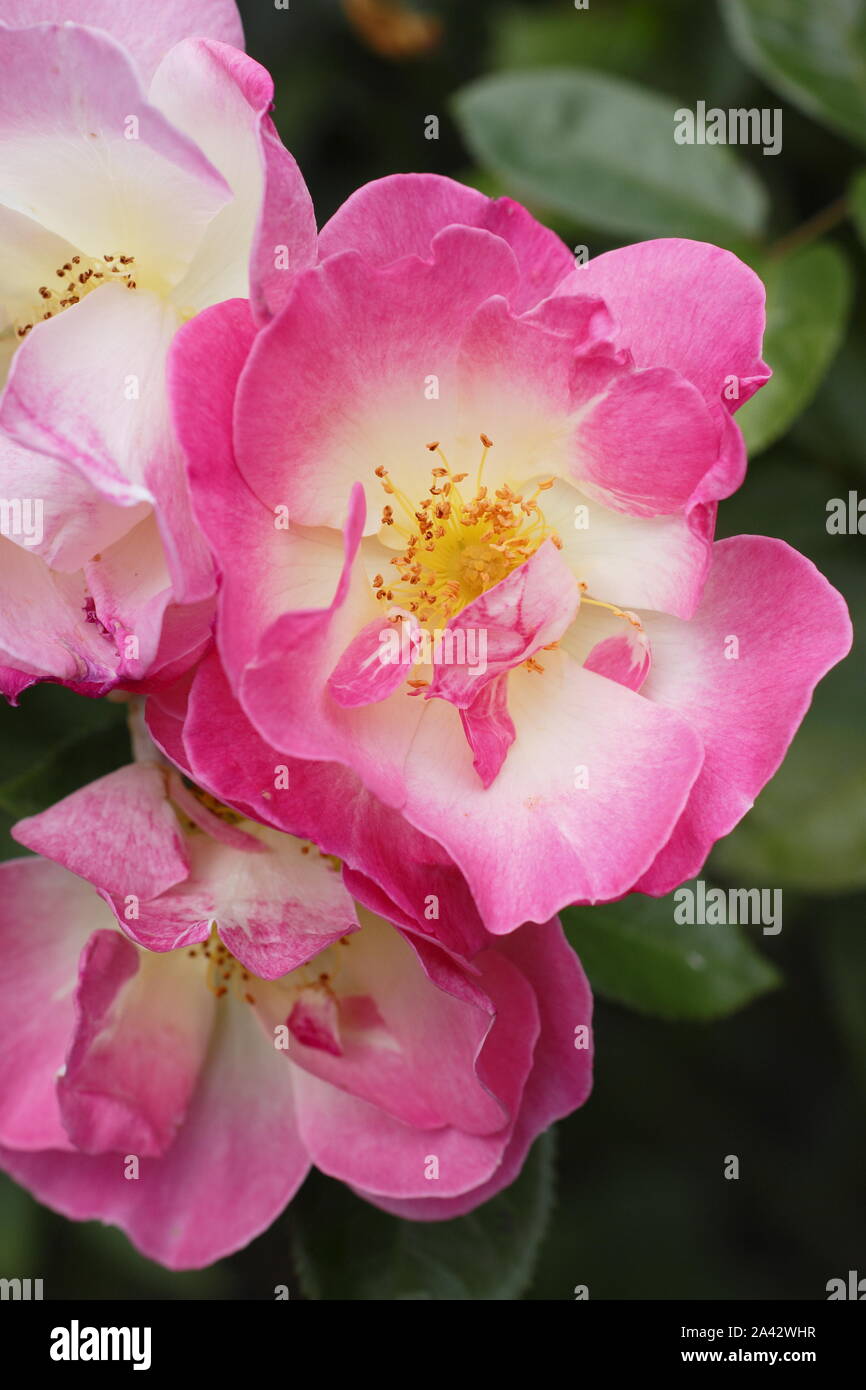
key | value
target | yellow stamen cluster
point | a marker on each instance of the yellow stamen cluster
(80, 275)
(223, 970)
(458, 547)
(617, 612)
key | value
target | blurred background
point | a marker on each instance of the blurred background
(764, 1057)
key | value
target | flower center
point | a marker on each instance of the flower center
(223, 971)
(70, 282)
(458, 546)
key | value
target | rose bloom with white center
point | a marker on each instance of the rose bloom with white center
(467, 434)
(218, 1007)
(142, 181)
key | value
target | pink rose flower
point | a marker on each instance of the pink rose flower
(141, 183)
(449, 434)
(195, 1010)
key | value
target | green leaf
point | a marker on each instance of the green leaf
(50, 745)
(844, 955)
(857, 195)
(623, 41)
(602, 151)
(80, 759)
(635, 953)
(347, 1249)
(46, 716)
(811, 51)
(18, 1238)
(808, 299)
(838, 413)
(807, 830)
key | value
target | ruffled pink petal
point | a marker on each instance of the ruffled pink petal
(315, 1021)
(489, 728)
(583, 319)
(204, 365)
(234, 1165)
(274, 909)
(129, 592)
(591, 788)
(275, 904)
(335, 387)
(12, 683)
(120, 442)
(141, 1036)
(639, 441)
(657, 562)
(148, 32)
(111, 622)
(120, 833)
(742, 672)
(94, 432)
(164, 712)
(625, 657)
(77, 521)
(415, 1000)
(356, 1142)
(46, 627)
(375, 663)
(69, 164)
(687, 305)
(285, 691)
(46, 917)
(561, 1076)
(400, 215)
(222, 99)
(729, 469)
(644, 439)
(185, 635)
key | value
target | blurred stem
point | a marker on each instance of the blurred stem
(144, 750)
(814, 227)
